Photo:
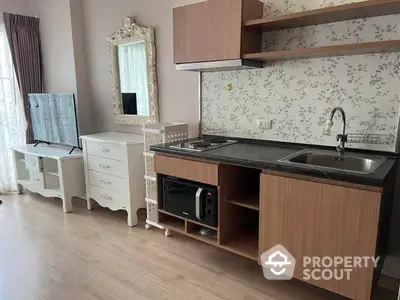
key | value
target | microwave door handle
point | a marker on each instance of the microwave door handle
(198, 199)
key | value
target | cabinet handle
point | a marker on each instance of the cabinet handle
(101, 149)
(105, 181)
(36, 179)
(104, 166)
(104, 196)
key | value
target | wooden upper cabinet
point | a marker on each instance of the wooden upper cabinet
(318, 219)
(213, 30)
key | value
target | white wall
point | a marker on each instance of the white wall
(81, 73)
(21, 7)
(75, 53)
(64, 60)
(58, 53)
(178, 91)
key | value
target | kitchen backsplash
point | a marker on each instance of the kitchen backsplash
(298, 95)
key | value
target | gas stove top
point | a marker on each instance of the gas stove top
(202, 145)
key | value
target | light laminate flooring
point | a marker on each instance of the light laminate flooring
(46, 254)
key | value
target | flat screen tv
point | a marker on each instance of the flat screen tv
(54, 119)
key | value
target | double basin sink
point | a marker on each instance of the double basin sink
(331, 160)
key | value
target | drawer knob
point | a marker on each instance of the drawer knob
(104, 166)
(105, 181)
(104, 196)
(101, 149)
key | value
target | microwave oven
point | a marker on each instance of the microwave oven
(191, 200)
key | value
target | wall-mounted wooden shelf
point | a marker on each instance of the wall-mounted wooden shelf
(339, 50)
(372, 8)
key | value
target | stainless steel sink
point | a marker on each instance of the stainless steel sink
(331, 160)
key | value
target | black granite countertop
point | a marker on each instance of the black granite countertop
(266, 156)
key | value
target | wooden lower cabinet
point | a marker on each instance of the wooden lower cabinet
(187, 169)
(317, 219)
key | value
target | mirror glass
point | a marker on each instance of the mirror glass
(134, 87)
(132, 55)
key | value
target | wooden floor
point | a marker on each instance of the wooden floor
(46, 254)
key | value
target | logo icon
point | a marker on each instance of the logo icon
(278, 264)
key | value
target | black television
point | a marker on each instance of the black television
(54, 119)
(129, 103)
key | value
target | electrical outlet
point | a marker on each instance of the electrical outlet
(264, 124)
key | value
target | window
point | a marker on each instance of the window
(12, 121)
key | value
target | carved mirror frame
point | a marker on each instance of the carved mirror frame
(131, 32)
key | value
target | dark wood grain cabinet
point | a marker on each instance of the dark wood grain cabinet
(213, 30)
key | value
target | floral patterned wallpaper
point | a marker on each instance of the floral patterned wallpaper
(298, 95)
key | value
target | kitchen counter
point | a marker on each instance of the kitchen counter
(353, 210)
(265, 156)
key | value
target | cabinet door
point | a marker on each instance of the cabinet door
(315, 219)
(208, 31)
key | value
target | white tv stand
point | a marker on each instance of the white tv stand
(50, 171)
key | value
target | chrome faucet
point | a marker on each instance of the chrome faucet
(341, 138)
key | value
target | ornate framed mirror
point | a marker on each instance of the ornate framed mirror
(132, 54)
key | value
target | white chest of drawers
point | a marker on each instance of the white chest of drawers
(114, 170)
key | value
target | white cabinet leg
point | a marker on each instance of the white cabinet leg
(20, 189)
(147, 226)
(67, 204)
(89, 203)
(167, 232)
(132, 218)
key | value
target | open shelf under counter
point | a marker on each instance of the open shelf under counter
(351, 11)
(186, 227)
(182, 218)
(205, 239)
(327, 51)
(174, 224)
(193, 230)
(247, 201)
(244, 244)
